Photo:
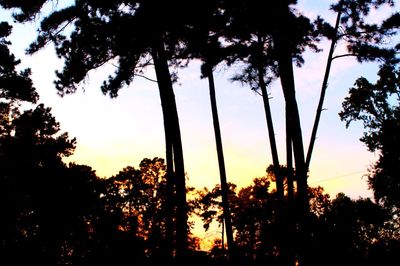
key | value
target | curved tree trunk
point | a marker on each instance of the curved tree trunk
(175, 163)
(221, 164)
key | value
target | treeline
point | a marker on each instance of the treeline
(344, 231)
(65, 214)
(57, 214)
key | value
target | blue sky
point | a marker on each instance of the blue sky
(114, 133)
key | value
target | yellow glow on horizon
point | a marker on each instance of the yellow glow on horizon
(344, 173)
(106, 160)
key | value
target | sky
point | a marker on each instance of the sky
(114, 133)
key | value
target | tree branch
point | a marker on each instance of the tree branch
(142, 76)
(342, 55)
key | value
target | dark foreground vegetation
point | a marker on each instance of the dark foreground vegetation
(58, 214)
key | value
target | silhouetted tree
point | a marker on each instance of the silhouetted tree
(365, 41)
(14, 85)
(268, 44)
(139, 205)
(101, 32)
(46, 209)
(221, 162)
(253, 218)
(142, 198)
(201, 45)
(140, 195)
(377, 106)
(347, 231)
(52, 214)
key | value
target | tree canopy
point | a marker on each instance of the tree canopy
(65, 214)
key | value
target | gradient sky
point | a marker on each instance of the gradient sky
(115, 133)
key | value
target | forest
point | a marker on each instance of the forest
(57, 213)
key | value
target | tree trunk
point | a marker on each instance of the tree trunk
(294, 128)
(221, 164)
(288, 86)
(290, 222)
(175, 169)
(169, 234)
(323, 91)
(272, 141)
(280, 218)
(284, 54)
(287, 81)
(289, 166)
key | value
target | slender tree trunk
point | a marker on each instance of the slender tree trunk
(280, 218)
(170, 202)
(289, 166)
(323, 91)
(290, 222)
(288, 86)
(173, 148)
(221, 163)
(284, 54)
(169, 234)
(271, 134)
(294, 128)
(287, 81)
(223, 237)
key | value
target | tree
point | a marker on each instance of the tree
(364, 41)
(221, 163)
(140, 194)
(15, 87)
(268, 45)
(254, 221)
(202, 43)
(52, 214)
(101, 32)
(377, 106)
(346, 231)
(46, 208)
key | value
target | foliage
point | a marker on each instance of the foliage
(59, 214)
(377, 106)
(343, 230)
(349, 231)
(15, 86)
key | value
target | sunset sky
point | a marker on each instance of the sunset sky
(114, 133)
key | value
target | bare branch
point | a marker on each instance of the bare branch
(342, 55)
(142, 76)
